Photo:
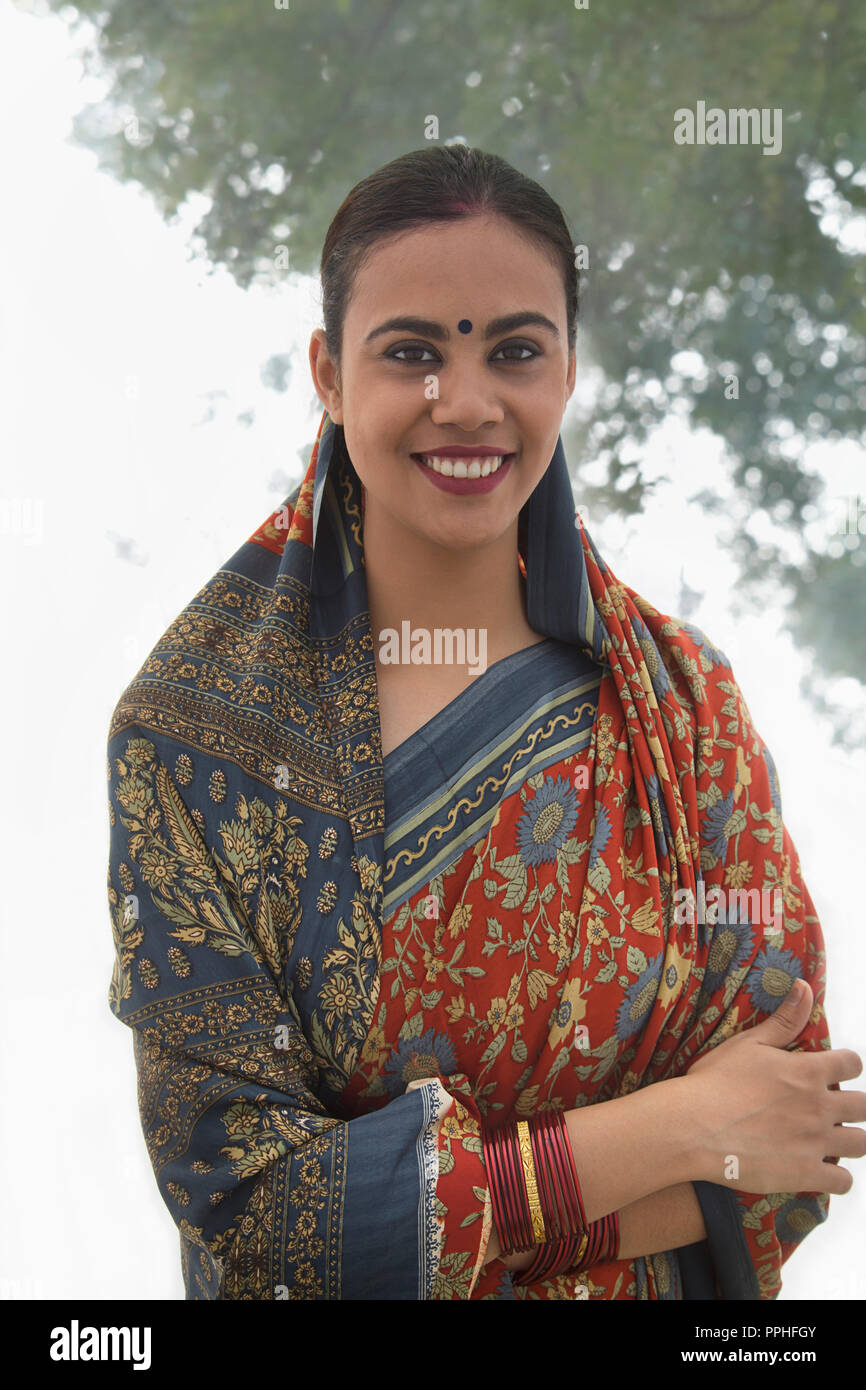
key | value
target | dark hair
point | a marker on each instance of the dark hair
(438, 184)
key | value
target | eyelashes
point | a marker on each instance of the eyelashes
(392, 353)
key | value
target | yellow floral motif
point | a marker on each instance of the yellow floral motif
(497, 1012)
(433, 965)
(790, 893)
(339, 997)
(455, 1009)
(738, 875)
(514, 1017)
(744, 774)
(451, 1127)
(730, 1024)
(596, 931)
(646, 918)
(157, 869)
(675, 972)
(460, 919)
(572, 1008)
(375, 1046)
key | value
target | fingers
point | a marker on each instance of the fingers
(849, 1106)
(832, 1179)
(844, 1065)
(846, 1141)
(840, 1064)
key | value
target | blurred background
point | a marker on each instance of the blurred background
(170, 171)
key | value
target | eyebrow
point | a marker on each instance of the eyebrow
(428, 328)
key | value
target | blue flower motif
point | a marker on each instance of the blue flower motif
(730, 948)
(547, 822)
(713, 654)
(601, 836)
(715, 821)
(429, 1055)
(771, 978)
(774, 779)
(652, 657)
(797, 1217)
(639, 999)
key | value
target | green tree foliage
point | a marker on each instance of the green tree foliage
(705, 262)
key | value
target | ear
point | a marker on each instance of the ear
(326, 376)
(571, 374)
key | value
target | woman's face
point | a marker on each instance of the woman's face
(427, 385)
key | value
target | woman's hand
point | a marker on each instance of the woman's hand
(767, 1117)
(521, 1260)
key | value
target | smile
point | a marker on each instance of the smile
(462, 468)
(464, 475)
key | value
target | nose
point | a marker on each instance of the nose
(467, 398)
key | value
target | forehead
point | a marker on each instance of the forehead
(466, 267)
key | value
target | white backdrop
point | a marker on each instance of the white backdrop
(142, 482)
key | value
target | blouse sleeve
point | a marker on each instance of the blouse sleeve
(766, 935)
(273, 1197)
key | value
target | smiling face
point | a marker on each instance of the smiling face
(502, 385)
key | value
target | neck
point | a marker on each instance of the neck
(413, 579)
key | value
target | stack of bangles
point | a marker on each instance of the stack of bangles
(537, 1200)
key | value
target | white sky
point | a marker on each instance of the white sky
(111, 339)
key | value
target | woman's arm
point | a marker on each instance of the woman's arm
(636, 1155)
(274, 1197)
(774, 1110)
(662, 1221)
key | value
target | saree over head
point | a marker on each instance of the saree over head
(570, 883)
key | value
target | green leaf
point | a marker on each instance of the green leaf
(492, 1051)
(598, 877)
(412, 1028)
(635, 960)
(515, 893)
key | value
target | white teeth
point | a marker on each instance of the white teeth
(462, 468)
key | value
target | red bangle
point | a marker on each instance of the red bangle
(569, 1168)
(508, 1190)
(500, 1193)
(573, 1246)
(495, 1184)
(573, 1216)
(518, 1187)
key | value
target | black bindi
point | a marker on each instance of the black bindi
(465, 325)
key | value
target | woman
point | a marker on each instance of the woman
(469, 978)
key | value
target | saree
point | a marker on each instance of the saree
(571, 883)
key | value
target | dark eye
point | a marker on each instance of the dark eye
(394, 353)
(519, 347)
